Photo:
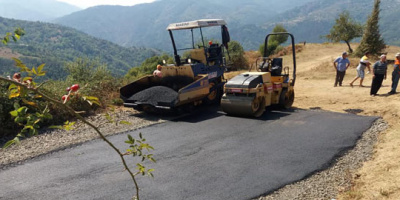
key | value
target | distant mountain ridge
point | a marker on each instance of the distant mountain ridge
(35, 10)
(145, 24)
(248, 21)
(54, 45)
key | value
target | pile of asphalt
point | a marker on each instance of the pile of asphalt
(176, 82)
(166, 93)
(156, 94)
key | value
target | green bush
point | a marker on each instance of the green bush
(94, 80)
(272, 46)
(147, 67)
(6, 105)
(237, 58)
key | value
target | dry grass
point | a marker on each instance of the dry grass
(352, 194)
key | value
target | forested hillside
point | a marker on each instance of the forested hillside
(248, 21)
(310, 21)
(54, 45)
(37, 10)
(145, 24)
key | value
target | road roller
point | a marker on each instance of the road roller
(249, 93)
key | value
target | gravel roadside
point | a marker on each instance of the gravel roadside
(322, 185)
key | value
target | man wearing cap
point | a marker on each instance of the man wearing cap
(395, 74)
(341, 64)
(379, 71)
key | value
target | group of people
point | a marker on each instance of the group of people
(379, 71)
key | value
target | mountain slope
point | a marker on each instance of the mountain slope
(310, 21)
(248, 21)
(145, 24)
(38, 10)
(54, 45)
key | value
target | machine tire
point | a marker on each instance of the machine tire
(286, 98)
(213, 97)
(258, 106)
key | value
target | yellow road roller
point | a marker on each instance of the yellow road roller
(248, 94)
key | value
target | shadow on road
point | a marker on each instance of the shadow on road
(207, 112)
(201, 113)
(155, 116)
(210, 112)
(269, 114)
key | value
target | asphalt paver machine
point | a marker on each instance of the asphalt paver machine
(196, 76)
(249, 93)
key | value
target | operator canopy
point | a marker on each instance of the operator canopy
(196, 24)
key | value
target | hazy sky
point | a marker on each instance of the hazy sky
(89, 3)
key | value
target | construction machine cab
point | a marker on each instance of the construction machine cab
(200, 52)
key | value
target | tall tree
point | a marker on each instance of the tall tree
(345, 29)
(279, 38)
(274, 40)
(372, 41)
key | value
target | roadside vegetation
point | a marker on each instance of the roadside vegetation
(27, 94)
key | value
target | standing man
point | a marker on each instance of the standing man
(341, 64)
(379, 71)
(395, 74)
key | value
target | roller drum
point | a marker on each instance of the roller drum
(243, 106)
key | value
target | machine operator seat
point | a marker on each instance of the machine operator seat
(276, 67)
(214, 52)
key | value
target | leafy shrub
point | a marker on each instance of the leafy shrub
(94, 79)
(147, 67)
(237, 58)
(272, 46)
(6, 105)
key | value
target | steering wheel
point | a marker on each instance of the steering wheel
(264, 65)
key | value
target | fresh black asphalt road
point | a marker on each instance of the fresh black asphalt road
(204, 156)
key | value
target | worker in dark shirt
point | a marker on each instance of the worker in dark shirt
(379, 71)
